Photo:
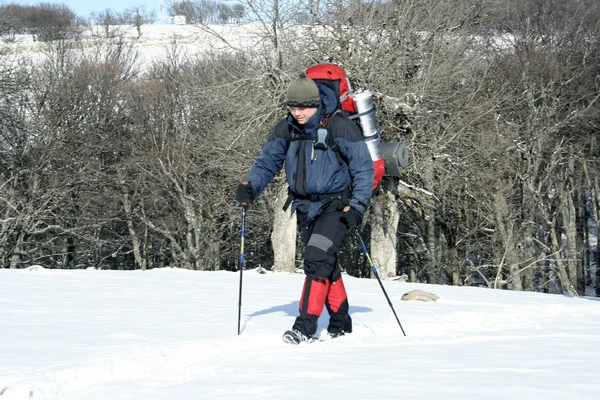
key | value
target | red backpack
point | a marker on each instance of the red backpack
(335, 78)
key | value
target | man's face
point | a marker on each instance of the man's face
(302, 114)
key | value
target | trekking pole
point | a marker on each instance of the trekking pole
(241, 264)
(377, 276)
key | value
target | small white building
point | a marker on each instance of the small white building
(179, 20)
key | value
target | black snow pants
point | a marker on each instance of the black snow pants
(323, 237)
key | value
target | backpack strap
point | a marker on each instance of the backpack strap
(328, 140)
(323, 139)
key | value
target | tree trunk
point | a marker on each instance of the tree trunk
(574, 228)
(384, 226)
(592, 182)
(15, 259)
(587, 249)
(431, 239)
(561, 269)
(284, 234)
(135, 239)
(568, 214)
(507, 241)
(5, 228)
(580, 243)
(527, 274)
(192, 235)
(597, 265)
(456, 268)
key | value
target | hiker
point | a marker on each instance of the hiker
(330, 174)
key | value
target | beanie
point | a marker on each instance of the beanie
(303, 92)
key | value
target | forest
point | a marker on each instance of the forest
(110, 162)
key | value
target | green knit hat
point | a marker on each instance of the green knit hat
(303, 92)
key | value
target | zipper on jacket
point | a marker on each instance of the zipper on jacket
(301, 170)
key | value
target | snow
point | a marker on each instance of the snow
(172, 334)
(156, 42)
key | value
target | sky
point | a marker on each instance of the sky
(84, 8)
(172, 334)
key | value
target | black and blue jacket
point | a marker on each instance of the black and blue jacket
(314, 170)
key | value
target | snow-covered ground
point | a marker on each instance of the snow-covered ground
(172, 334)
(155, 43)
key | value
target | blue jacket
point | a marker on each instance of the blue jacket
(311, 170)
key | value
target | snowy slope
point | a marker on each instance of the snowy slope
(156, 43)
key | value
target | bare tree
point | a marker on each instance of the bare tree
(109, 20)
(284, 233)
(205, 11)
(137, 16)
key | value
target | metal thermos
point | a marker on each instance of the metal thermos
(365, 108)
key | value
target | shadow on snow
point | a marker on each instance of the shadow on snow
(291, 309)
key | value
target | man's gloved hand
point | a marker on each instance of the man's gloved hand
(351, 217)
(244, 192)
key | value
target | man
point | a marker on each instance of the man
(330, 176)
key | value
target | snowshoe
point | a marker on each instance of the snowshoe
(335, 334)
(295, 337)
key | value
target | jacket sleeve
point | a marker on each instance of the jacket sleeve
(270, 161)
(360, 165)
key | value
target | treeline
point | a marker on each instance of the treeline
(107, 165)
(207, 11)
(45, 21)
(48, 22)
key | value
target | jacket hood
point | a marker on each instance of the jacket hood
(328, 98)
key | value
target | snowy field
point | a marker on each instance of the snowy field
(156, 43)
(172, 334)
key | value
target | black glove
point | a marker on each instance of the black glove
(244, 192)
(351, 217)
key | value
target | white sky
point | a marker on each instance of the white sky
(172, 334)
